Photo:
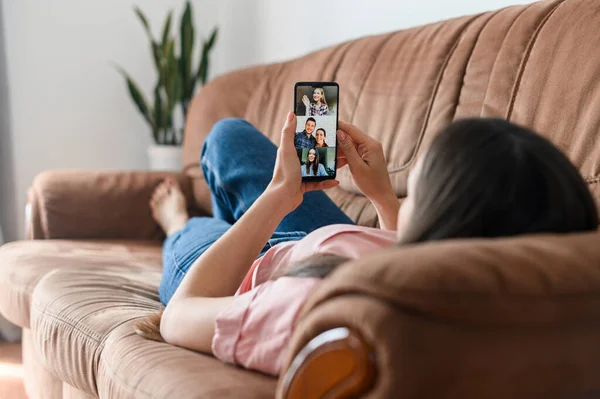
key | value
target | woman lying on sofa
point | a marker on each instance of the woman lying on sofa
(233, 283)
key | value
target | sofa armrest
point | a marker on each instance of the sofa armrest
(96, 204)
(337, 363)
(496, 310)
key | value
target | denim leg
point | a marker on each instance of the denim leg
(238, 163)
(181, 250)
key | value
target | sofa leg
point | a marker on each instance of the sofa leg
(39, 382)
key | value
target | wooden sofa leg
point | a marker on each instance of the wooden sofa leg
(336, 364)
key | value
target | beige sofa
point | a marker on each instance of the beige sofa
(506, 318)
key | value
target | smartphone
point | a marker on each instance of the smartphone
(316, 107)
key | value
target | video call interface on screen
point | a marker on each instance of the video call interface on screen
(315, 140)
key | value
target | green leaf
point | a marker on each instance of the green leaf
(167, 28)
(168, 53)
(202, 74)
(156, 56)
(137, 96)
(213, 38)
(158, 114)
(187, 44)
(144, 21)
(154, 47)
(171, 79)
(207, 46)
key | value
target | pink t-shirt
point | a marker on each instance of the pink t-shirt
(254, 330)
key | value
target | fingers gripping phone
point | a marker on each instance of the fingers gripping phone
(316, 108)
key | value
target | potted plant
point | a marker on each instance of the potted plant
(175, 85)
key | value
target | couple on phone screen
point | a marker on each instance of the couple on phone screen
(306, 139)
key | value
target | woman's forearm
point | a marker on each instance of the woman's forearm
(219, 271)
(207, 288)
(387, 211)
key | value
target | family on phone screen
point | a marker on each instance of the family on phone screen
(311, 137)
(311, 143)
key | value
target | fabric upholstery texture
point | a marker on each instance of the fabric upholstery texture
(533, 64)
(470, 316)
(39, 382)
(23, 264)
(97, 204)
(83, 321)
(523, 310)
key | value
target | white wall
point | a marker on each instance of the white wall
(66, 107)
(290, 28)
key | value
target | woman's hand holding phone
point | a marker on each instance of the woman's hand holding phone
(364, 155)
(287, 176)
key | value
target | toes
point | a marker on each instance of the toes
(159, 192)
(164, 189)
(155, 194)
(173, 185)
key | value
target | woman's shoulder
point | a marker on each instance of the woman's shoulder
(327, 232)
(344, 240)
(353, 228)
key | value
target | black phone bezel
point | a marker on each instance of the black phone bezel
(337, 117)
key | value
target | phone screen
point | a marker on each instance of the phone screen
(316, 108)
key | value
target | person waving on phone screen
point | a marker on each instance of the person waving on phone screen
(319, 107)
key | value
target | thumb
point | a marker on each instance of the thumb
(352, 156)
(288, 131)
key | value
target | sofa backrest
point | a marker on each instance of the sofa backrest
(537, 65)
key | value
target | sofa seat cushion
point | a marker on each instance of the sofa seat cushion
(24, 263)
(133, 367)
(82, 322)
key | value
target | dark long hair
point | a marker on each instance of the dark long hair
(492, 178)
(315, 164)
(317, 265)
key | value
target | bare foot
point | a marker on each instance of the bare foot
(168, 207)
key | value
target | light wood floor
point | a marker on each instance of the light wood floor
(11, 372)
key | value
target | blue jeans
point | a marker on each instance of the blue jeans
(238, 163)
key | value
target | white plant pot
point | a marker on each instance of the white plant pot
(165, 157)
